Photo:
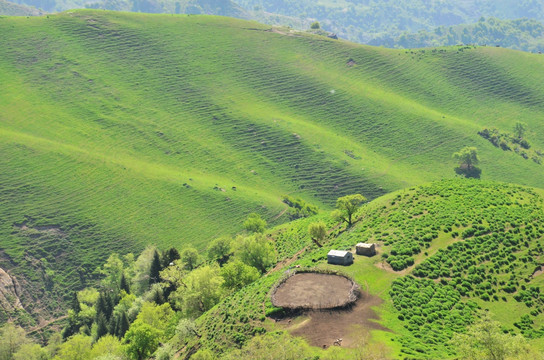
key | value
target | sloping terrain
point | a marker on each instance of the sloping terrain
(473, 245)
(120, 130)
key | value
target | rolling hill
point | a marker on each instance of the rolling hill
(120, 130)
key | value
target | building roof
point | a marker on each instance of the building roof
(365, 245)
(339, 253)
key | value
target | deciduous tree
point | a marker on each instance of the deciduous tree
(318, 232)
(467, 157)
(346, 207)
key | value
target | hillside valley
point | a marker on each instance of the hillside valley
(123, 130)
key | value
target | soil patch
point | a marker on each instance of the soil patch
(324, 327)
(315, 291)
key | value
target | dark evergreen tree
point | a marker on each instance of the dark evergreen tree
(169, 256)
(124, 284)
(101, 326)
(123, 325)
(154, 276)
(75, 303)
(100, 306)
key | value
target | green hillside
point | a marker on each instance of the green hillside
(120, 130)
(474, 246)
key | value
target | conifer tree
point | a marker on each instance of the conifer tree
(123, 284)
(75, 303)
(123, 325)
(154, 276)
(101, 326)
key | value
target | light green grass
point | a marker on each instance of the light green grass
(117, 127)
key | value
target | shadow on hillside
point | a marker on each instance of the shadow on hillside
(473, 172)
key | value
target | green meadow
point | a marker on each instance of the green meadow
(120, 130)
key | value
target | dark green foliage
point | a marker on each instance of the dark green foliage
(513, 142)
(298, 208)
(432, 311)
(76, 307)
(220, 250)
(123, 284)
(520, 34)
(122, 325)
(169, 256)
(102, 327)
(190, 257)
(155, 269)
(420, 23)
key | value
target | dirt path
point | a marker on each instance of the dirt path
(45, 324)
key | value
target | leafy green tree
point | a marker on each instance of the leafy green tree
(467, 157)
(220, 249)
(256, 251)
(108, 345)
(236, 275)
(254, 223)
(315, 25)
(346, 207)
(31, 352)
(201, 289)
(11, 339)
(112, 270)
(78, 347)
(186, 329)
(142, 340)
(519, 129)
(318, 232)
(190, 257)
(140, 269)
(485, 340)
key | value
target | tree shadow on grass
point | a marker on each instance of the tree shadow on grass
(473, 172)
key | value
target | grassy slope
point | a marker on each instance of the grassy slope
(400, 218)
(115, 128)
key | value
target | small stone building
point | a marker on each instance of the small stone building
(365, 249)
(338, 257)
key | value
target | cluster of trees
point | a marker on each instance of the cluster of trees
(386, 22)
(298, 208)
(145, 301)
(520, 34)
(515, 141)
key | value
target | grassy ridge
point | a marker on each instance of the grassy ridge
(127, 129)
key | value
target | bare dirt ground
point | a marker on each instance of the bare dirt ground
(323, 327)
(311, 290)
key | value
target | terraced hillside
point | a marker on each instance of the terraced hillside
(119, 130)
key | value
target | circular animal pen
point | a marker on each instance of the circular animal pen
(311, 290)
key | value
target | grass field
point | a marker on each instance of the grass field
(119, 130)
